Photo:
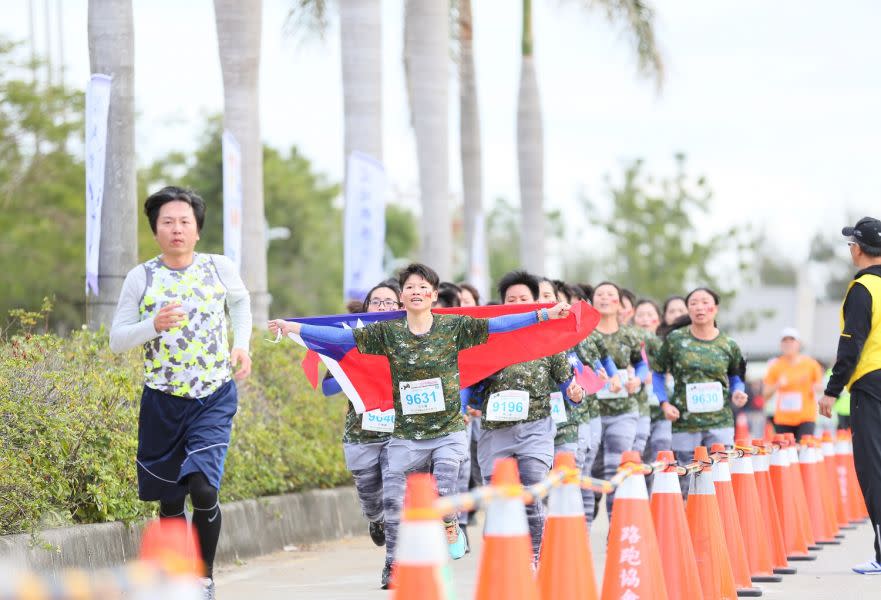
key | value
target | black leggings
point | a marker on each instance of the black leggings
(206, 516)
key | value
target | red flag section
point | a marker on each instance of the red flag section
(310, 367)
(371, 375)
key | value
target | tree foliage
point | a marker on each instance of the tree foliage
(42, 184)
(659, 245)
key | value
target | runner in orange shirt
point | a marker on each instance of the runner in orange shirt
(795, 379)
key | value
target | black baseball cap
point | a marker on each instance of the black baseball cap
(867, 231)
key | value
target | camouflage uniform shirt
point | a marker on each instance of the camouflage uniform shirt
(652, 345)
(589, 350)
(416, 357)
(537, 377)
(625, 348)
(691, 360)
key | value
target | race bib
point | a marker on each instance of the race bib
(790, 401)
(378, 420)
(422, 396)
(704, 397)
(606, 394)
(558, 408)
(507, 405)
(650, 393)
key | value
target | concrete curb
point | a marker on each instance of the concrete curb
(250, 528)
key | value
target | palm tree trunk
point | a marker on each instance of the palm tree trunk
(530, 156)
(112, 52)
(361, 54)
(470, 151)
(238, 40)
(426, 57)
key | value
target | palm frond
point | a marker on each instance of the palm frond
(637, 18)
(307, 18)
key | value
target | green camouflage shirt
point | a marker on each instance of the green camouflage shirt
(652, 345)
(642, 396)
(355, 434)
(413, 358)
(589, 350)
(690, 361)
(625, 349)
(536, 377)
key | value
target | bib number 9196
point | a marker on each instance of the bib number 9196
(507, 405)
(422, 396)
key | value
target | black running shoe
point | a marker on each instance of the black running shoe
(377, 532)
(387, 574)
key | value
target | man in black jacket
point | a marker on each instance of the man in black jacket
(858, 367)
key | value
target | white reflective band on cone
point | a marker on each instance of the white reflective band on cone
(780, 459)
(742, 465)
(842, 447)
(421, 543)
(721, 471)
(703, 484)
(632, 488)
(806, 456)
(792, 455)
(666, 483)
(760, 462)
(828, 449)
(565, 501)
(506, 517)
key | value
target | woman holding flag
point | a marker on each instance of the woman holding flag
(422, 349)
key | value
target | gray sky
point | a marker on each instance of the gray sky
(777, 103)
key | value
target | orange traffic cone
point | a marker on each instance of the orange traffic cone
(798, 490)
(856, 503)
(172, 544)
(810, 475)
(831, 464)
(814, 455)
(827, 495)
(565, 541)
(506, 561)
(741, 427)
(793, 531)
(769, 431)
(633, 564)
(707, 537)
(671, 528)
(731, 524)
(749, 511)
(768, 505)
(420, 569)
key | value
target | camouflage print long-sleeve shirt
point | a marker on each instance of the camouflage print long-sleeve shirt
(698, 366)
(534, 381)
(652, 345)
(590, 350)
(625, 348)
(426, 369)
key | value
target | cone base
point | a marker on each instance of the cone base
(814, 547)
(839, 536)
(785, 571)
(829, 543)
(749, 592)
(803, 557)
(847, 526)
(766, 579)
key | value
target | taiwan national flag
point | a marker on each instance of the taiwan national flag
(366, 379)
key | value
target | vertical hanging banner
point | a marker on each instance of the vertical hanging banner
(477, 270)
(232, 199)
(97, 113)
(364, 225)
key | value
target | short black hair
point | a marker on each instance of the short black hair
(869, 250)
(424, 271)
(601, 284)
(625, 293)
(388, 284)
(518, 278)
(713, 293)
(171, 193)
(586, 290)
(472, 290)
(448, 295)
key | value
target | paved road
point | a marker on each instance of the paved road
(350, 569)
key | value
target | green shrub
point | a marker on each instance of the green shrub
(68, 431)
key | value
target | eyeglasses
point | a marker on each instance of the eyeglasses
(385, 303)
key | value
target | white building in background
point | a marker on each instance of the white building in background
(771, 309)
